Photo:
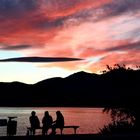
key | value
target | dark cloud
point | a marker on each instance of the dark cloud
(118, 7)
(61, 4)
(47, 24)
(130, 46)
(39, 59)
(15, 47)
(114, 8)
(16, 8)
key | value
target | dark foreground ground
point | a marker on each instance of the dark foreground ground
(75, 137)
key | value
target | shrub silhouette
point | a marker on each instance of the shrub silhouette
(124, 120)
(120, 127)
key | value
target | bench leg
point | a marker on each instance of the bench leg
(75, 130)
(61, 131)
(28, 133)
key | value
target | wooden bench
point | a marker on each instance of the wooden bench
(61, 129)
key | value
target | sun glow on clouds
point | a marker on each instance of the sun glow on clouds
(12, 72)
(15, 71)
(100, 31)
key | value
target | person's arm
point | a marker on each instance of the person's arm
(54, 122)
(43, 120)
(30, 119)
(38, 122)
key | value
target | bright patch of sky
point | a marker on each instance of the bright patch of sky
(9, 54)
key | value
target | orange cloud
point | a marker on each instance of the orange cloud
(62, 29)
(24, 29)
(60, 8)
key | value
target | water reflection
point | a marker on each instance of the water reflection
(89, 119)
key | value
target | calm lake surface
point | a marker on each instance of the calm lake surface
(89, 119)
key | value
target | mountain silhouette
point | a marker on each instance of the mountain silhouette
(114, 88)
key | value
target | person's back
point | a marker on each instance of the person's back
(60, 119)
(47, 122)
(59, 123)
(34, 121)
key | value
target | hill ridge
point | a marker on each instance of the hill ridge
(113, 88)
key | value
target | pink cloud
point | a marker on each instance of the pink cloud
(55, 30)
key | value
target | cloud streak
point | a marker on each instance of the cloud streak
(39, 59)
(15, 47)
(125, 47)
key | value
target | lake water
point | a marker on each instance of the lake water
(89, 119)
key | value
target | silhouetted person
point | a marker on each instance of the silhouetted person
(58, 123)
(47, 122)
(34, 121)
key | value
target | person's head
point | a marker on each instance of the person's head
(58, 113)
(46, 113)
(33, 113)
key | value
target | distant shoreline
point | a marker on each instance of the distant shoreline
(75, 137)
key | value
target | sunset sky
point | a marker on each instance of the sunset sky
(99, 31)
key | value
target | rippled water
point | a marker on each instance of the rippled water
(89, 119)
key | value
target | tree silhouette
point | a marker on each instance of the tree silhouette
(124, 120)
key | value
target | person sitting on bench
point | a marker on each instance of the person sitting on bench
(47, 123)
(58, 123)
(34, 121)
